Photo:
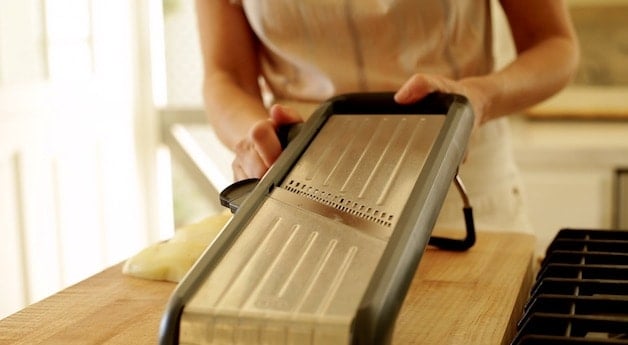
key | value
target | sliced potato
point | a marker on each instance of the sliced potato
(172, 259)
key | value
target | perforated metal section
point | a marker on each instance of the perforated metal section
(340, 203)
(365, 165)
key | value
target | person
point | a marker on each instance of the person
(271, 62)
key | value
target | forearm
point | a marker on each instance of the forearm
(231, 109)
(547, 58)
(231, 91)
(535, 75)
(243, 123)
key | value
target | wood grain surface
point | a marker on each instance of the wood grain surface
(473, 297)
(456, 298)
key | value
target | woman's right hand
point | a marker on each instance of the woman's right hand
(256, 152)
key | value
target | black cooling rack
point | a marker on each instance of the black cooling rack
(581, 292)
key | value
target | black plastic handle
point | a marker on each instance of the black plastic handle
(236, 193)
(286, 133)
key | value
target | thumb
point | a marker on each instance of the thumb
(417, 87)
(282, 115)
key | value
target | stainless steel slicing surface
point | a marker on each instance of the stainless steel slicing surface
(300, 267)
(365, 165)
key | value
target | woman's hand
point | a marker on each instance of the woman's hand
(420, 85)
(256, 152)
(547, 60)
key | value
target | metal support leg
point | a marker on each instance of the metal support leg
(469, 240)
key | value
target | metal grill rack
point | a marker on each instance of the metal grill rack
(581, 292)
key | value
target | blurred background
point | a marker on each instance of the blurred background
(102, 127)
(80, 155)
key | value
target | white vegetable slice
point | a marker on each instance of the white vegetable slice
(172, 259)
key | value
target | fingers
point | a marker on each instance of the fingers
(265, 141)
(261, 147)
(413, 90)
(238, 171)
(247, 162)
(282, 115)
(265, 136)
(420, 85)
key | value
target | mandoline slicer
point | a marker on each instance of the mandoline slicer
(323, 248)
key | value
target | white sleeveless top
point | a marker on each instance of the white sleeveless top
(314, 49)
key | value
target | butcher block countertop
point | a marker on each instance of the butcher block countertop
(473, 297)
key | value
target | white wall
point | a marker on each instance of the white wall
(569, 169)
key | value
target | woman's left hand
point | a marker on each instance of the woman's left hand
(420, 85)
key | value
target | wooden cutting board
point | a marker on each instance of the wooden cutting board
(456, 298)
